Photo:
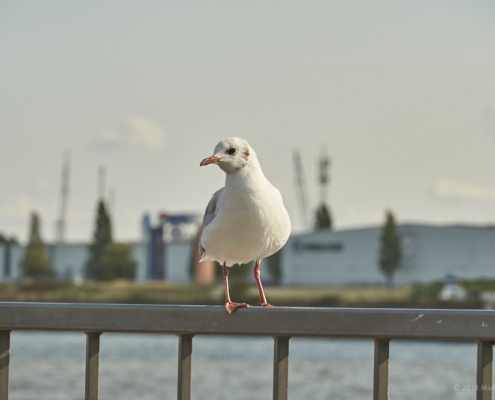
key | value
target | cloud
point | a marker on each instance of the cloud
(19, 206)
(446, 189)
(140, 132)
(146, 133)
(109, 137)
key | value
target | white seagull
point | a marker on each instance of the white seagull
(244, 221)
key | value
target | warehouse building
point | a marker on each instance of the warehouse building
(350, 257)
(67, 261)
(322, 258)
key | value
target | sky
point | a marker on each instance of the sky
(401, 94)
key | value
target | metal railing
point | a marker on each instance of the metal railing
(282, 323)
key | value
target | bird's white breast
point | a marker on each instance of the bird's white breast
(251, 222)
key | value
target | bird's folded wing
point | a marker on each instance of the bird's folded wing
(210, 213)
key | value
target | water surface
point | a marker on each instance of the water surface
(51, 366)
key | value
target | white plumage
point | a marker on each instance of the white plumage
(246, 220)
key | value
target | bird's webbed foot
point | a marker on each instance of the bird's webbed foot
(230, 306)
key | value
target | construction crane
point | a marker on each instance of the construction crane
(301, 189)
(324, 164)
(60, 228)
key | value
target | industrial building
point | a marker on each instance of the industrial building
(67, 261)
(350, 257)
(321, 258)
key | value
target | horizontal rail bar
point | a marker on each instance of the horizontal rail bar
(476, 325)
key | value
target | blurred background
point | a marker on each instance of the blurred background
(375, 120)
(360, 113)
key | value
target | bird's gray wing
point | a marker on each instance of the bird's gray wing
(210, 213)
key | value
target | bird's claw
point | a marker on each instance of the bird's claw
(230, 306)
(264, 304)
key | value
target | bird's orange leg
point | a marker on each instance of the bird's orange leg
(262, 301)
(229, 305)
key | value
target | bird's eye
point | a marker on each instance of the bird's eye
(232, 150)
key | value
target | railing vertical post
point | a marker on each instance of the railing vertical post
(92, 364)
(185, 367)
(281, 368)
(484, 371)
(4, 364)
(380, 377)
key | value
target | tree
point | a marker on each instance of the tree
(116, 262)
(323, 218)
(101, 237)
(273, 266)
(6, 240)
(35, 263)
(108, 260)
(390, 251)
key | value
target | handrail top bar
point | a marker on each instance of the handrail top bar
(276, 309)
(278, 321)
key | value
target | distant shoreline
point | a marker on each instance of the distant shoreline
(163, 292)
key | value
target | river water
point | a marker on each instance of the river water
(51, 366)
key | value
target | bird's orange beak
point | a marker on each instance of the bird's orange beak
(210, 160)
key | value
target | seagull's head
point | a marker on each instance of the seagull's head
(231, 155)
